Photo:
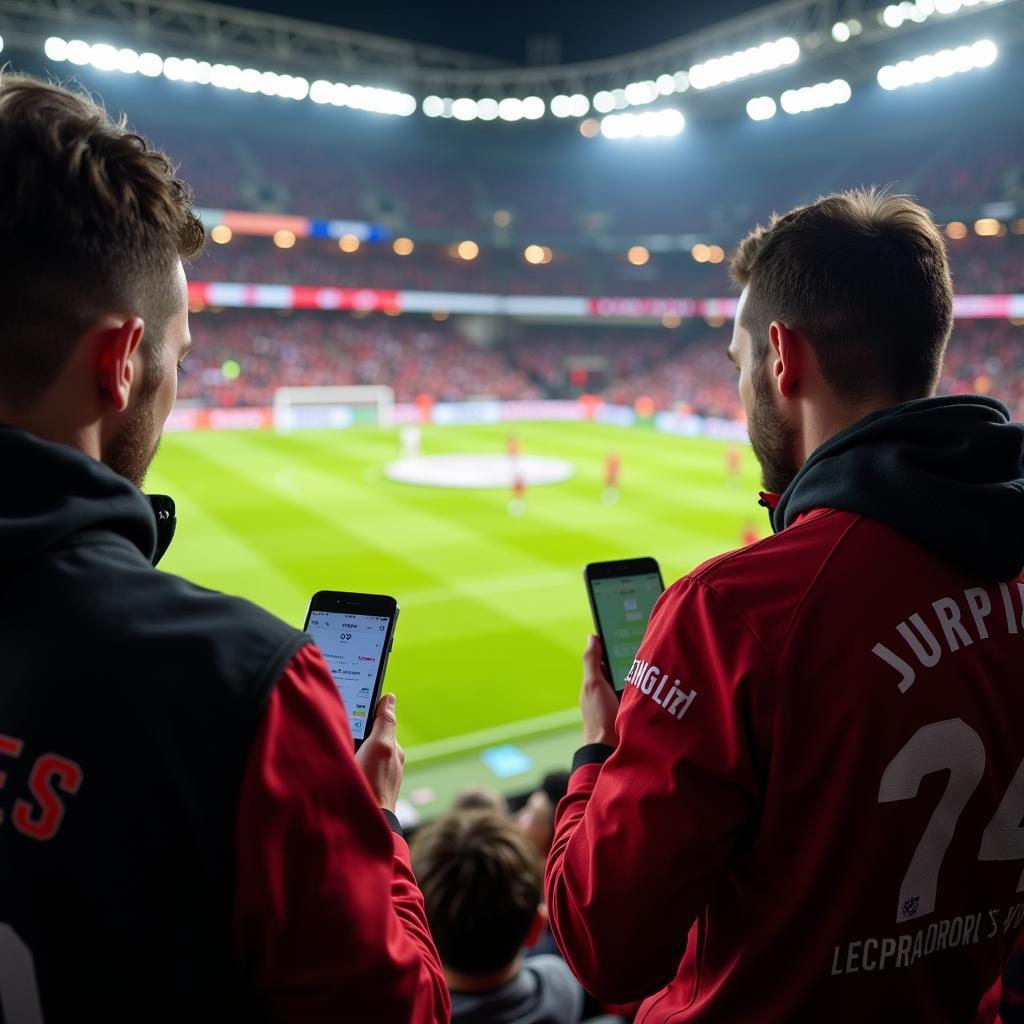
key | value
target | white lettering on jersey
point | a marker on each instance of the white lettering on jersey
(650, 680)
(951, 617)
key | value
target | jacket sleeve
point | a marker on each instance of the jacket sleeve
(329, 922)
(642, 839)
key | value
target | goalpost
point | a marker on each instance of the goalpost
(326, 408)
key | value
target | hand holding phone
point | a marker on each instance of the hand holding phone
(599, 703)
(355, 633)
(381, 758)
(622, 596)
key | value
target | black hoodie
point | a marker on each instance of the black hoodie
(946, 472)
(152, 689)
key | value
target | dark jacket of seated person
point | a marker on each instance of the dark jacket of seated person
(482, 887)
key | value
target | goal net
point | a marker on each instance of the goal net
(327, 408)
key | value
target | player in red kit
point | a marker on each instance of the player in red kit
(808, 805)
(517, 502)
(733, 462)
(612, 468)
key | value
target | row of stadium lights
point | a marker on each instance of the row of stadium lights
(919, 71)
(986, 227)
(468, 250)
(637, 255)
(617, 122)
(896, 15)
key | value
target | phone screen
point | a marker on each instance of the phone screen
(624, 605)
(353, 646)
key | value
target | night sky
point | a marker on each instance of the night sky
(588, 30)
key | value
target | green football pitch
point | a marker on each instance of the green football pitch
(494, 614)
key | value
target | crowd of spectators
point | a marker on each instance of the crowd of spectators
(240, 359)
(980, 265)
(684, 368)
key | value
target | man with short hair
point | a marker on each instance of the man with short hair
(808, 805)
(185, 831)
(482, 887)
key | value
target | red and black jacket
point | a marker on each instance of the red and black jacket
(815, 810)
(185, 834)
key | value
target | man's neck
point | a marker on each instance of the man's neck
(53, 427)
(464, 981)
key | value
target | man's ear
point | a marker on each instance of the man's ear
(787, 355)
(116, 367)
(540, 922)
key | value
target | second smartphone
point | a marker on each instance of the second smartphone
(622, 596)
(355, 633)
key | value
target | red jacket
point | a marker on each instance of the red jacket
(328, 918)
(801, 820)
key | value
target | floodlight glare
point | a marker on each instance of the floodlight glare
(743, 63)
(56, 48)
(533, 108)
(841, 32)
(78, 52)
(928, 67)
(510, 109)
(151, 65)
(761, 108)
(433, 106)
(487, 109)
(464, 109)
(666, 85)
(604, 102)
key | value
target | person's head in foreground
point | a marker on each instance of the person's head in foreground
(95, 302)
(481, 883)
(846, 308)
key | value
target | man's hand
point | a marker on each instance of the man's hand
(380, 757)
(597, 698)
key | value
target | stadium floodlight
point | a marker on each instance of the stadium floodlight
(841, 32)
(895, 15)
(151, 65)
(128, 61)
(666, 85)
(651, 124)
(639, 93)
(103, 57)
(816, 97)
(619, 97)
(580, 105)
(487, 109)
(510, 109)
(433, 106)
(79, 52)
(576, 105)
(604, 102)
(533, 108)
(930, 66)
(56, 49)
(464, 109)
(761, 108)
(682, 80)
(744, 63)
(225, 76)
(320, 92)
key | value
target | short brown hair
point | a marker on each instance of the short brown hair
(91, 219)
(481, 885)
(863, 275)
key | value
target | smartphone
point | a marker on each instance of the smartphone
(355, 633)
(622, 596)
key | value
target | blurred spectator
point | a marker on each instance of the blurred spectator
(481, 882)
(537, 816)
(480, 797)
